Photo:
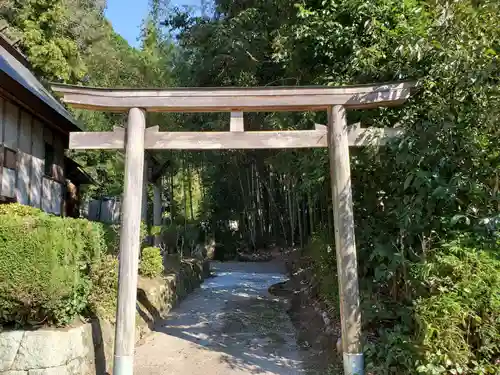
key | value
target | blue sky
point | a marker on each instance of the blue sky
(126, 16)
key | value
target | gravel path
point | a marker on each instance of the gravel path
(231, 325)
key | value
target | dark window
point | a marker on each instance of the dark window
(49, 160)
(9, 158)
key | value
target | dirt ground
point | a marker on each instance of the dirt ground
(231, 325)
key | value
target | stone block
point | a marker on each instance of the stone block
(77, 366)
(10, 341)
(52, 348)
(60, 370)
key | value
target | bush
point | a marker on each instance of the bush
(321, 250)
(104, 294)
(44, 262)
(112, 236)
(16, 209)
(459, 321)
(454, 326)
(54, 269)
(151, 264)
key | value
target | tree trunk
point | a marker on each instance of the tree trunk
(190, 187)
(301, 234)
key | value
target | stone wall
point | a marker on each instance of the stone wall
(87, 348)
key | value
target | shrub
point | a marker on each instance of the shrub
(42, 264)
(322, 253)
(454, 326)
(459, 321)
(112, 236)
(104, 293)
(156, 230)
(45, 262)
(16, 209)
(151, 264)
(53, 269)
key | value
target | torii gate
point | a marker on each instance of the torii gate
(337, 136)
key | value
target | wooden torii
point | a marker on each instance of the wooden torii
(337, 136)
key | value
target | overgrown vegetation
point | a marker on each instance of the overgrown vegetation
(414, 200)
(458, 317)
(452, 327)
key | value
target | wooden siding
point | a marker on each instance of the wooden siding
(10, 124)
(37, 166)
(10, 130)
(24, 160)
(27, 135)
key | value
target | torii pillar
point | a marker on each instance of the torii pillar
(130, 243)
(345, 244)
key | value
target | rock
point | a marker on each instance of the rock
(9, 345)
(79, 366)
(339, 345)
(51, 348)
(281, 289)
(60, 370)
(253, 257)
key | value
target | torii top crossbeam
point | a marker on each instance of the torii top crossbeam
(259, 99)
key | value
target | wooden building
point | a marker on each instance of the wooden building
(34, 132)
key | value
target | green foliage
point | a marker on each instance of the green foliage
(104, 278)
(393, 351)
(151, 264)
(459, 321)
(413, 198)
(43, 265)
(182, 236)
(155, 230)
(47, 37)
(322, 253)
(418, 194)
(16, 209)
(54, 269)
(111, 236)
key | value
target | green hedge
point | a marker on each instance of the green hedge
(54, 269)
(151, 264)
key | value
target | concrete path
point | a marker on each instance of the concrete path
(231, 325)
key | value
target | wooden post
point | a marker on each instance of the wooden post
(157, 208)
(347, 265)
(129, 244)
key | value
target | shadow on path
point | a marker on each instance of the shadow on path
(234, 315)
